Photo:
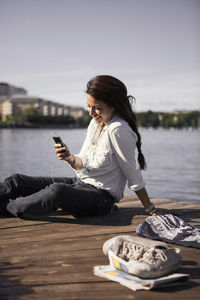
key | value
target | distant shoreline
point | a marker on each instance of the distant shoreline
(40, 127)
(85, 127)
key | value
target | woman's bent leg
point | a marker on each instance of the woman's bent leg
(38, 204)
(22, 185)
(79, 201)
(84, 200)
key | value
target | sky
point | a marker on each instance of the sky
(53, 48)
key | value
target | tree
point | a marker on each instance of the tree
(84, 120)
(29, 111)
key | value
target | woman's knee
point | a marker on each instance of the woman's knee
(58, 189)
(14, 182)
(15, 178)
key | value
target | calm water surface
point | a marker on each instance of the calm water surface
(173, 158)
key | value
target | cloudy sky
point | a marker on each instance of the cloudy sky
(52, 48)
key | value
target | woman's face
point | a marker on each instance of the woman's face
(99, 111)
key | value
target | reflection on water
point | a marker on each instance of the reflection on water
(173, 158)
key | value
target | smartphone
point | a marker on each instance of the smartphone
(58, 140)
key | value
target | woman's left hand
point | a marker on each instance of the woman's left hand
(157, 212)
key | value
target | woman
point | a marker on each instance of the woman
(103, 166)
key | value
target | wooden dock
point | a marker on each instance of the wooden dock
(53, 257)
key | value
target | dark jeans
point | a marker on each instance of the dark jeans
(42, 195)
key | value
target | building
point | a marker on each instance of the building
(76, 112)
(15, 105)
(11, 90)
(12, 103)
(2, 99)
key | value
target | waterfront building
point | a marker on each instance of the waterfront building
(14, 100)
(9, 90)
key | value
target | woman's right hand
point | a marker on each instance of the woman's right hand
(62, 153)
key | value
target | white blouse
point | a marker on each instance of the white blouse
(108, 158)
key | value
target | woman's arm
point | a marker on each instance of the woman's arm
(63, 153)
(75, 162)
(144, 198)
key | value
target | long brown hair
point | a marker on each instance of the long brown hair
(113, 92)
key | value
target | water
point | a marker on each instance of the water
(173, 158)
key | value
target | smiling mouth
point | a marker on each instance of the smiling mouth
(97, 118)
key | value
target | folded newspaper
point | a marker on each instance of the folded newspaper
(116, 272)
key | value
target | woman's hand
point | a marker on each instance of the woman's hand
(62, 153)
(157, 212)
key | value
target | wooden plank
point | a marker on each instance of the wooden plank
(37, 268)
(53, 257)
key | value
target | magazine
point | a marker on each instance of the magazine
(116, 271)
